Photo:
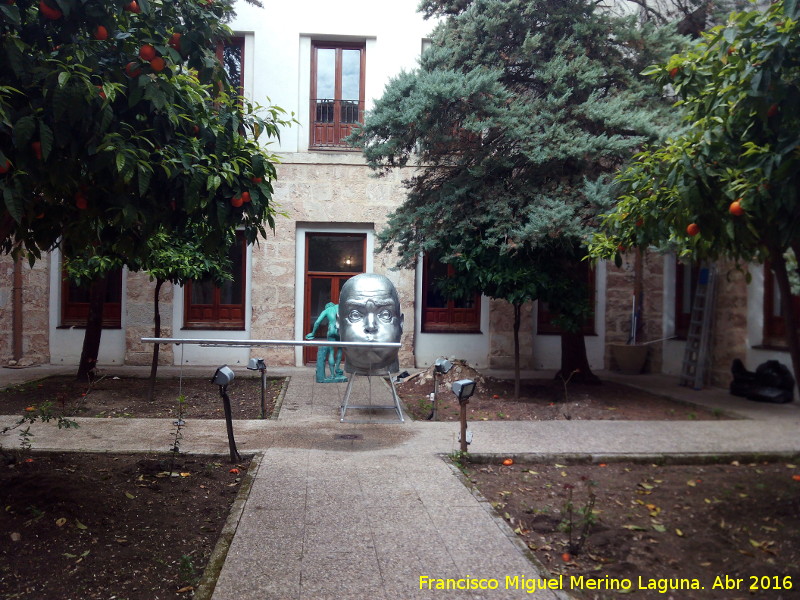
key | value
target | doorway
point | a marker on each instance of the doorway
(331, 259)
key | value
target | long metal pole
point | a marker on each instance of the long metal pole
(253, 343)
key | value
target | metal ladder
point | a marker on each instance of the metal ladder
(696, 357)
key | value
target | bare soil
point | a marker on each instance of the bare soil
(541, 400)
(730, 530)
(126, 397)
(86, 526)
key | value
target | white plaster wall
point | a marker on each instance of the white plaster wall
(547, 348)
(672, 350)
(279, 52)
(66, 343)
(195, 354)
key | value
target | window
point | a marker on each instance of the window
(774, 323)
(75, 302)
(337, 93)
(441, 315)
(545, 317)
(208, 306)
(685, 286)
(231, 54)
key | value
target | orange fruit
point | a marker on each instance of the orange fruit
(100, 33)
(736, 208)
(147, 52)
(133, 7)
(245, 197)
(175, 41)
(237, 201)
(81, 201)
(566, 557)
(5, 168)
(508, 462)
(49, 12)
(796, 477)
(256, 179)
(772, 110)
(673, 72)
(132, 70)
(693, 229)
(158, 64)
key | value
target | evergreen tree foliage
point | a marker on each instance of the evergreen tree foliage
(515, 116)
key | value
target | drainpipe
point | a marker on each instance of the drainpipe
(16, 313)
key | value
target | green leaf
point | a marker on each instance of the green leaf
(14, 204)
(24, 129)
(11, 13)
(46, 137)
(63, 78)
(120, 162)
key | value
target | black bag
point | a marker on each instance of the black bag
(771, 382)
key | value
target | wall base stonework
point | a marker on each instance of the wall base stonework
(35, 312)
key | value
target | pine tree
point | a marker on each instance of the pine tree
(513, 119)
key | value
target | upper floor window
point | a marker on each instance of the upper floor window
(337, 92)
(208, 306)
(75, 302)
(443, 315)
(231, 54)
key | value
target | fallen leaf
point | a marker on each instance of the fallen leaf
(186, 474)
(15, 537)
(791, 466)
(61, 522)
(678, 532)
(691, 483)
(234, 470)
(634, 527)
(80, 525)
(183, 590)
(129, 496)
(646, 486)
(659, 527)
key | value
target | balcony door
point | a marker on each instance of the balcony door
(331, 259)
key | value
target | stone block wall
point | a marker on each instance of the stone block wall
(139, 319)
(35, 312)
(729, 338)
(620, 283)
(318, 189)
(501, 331)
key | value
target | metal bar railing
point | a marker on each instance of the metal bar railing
(257, 343)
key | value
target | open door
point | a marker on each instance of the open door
(331, 259)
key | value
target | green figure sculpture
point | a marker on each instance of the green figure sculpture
(328, 354)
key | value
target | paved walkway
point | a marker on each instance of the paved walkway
(365, 510)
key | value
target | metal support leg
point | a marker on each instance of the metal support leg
(346, 402)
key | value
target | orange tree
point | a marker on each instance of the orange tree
(117, 121)
(727, 186)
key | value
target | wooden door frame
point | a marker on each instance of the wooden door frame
(309, 353)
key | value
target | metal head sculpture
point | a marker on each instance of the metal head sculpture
(369, 311)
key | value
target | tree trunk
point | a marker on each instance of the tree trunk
(517, 322)
(94, 329)
(156, 333)
(782, 278)
(574, 362)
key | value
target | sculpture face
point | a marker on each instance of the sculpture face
(369, 311)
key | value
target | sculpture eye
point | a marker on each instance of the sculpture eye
(385, 315)
(354, 316)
